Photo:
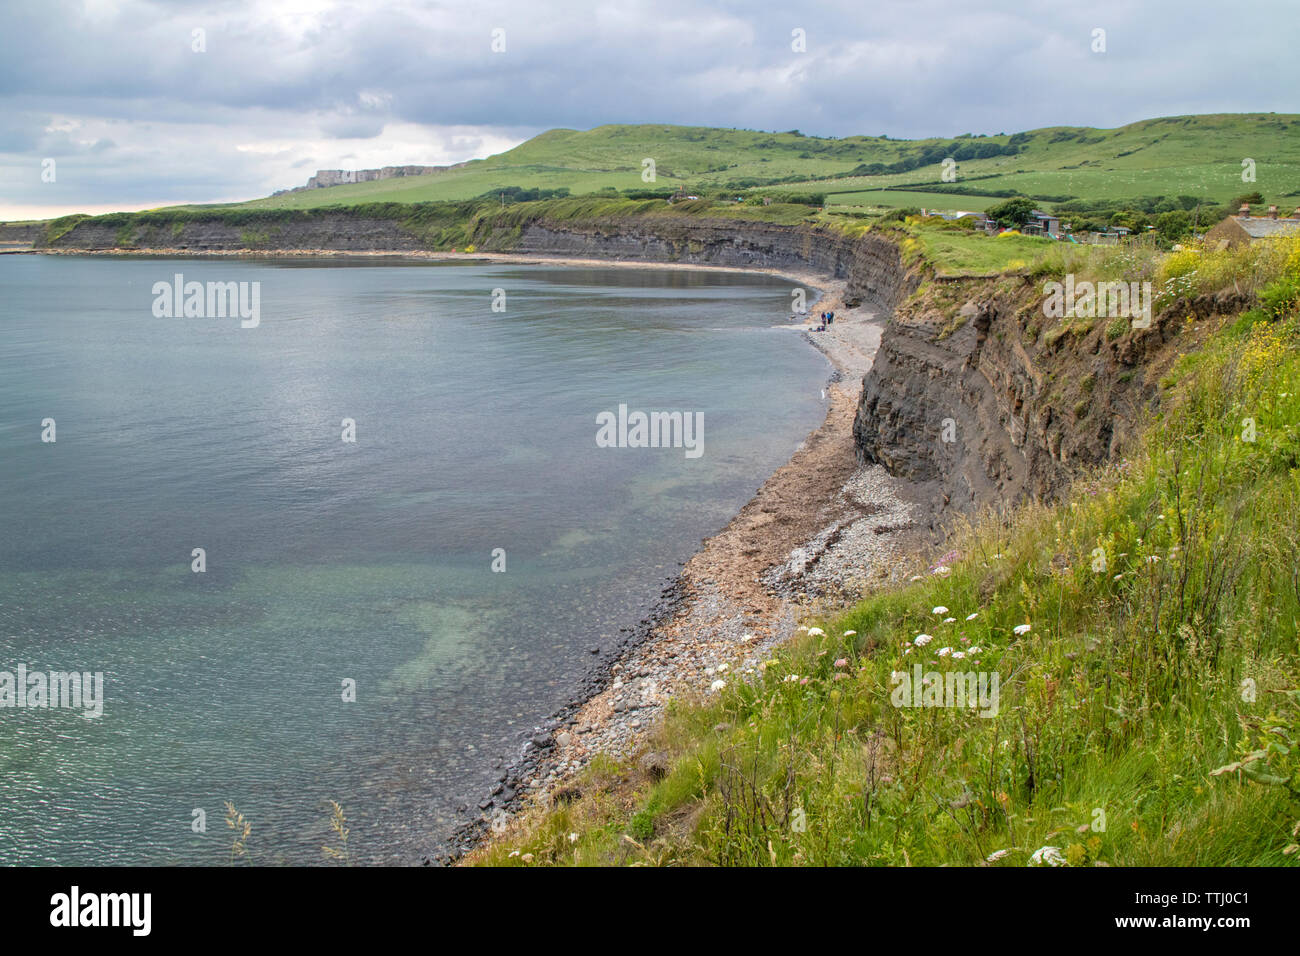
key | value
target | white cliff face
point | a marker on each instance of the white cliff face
(325, 178)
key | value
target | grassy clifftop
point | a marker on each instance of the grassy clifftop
(1143, 630)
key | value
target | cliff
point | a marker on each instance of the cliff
(311, 230)
(21, 235)
(973, 392)
(870, 265)
(977, 394)
(325, 178)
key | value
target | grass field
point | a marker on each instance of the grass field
(1195, 156)
(970, 253)
(876, 199)
(1199, 156)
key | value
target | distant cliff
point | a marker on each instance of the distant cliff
(870, 264)
(325, 178)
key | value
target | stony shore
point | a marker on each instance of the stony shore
(819, 532)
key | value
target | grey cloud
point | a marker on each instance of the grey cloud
(903, 67)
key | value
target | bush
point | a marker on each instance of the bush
(901, 214)
(1011, 213)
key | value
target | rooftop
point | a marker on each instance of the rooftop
(1262, 228)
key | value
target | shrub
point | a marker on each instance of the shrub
(1012, 213)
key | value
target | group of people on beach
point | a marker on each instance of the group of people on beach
(826, 318)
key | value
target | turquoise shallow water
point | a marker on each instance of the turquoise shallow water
(330, 561)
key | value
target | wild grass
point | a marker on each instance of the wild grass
(956, 252)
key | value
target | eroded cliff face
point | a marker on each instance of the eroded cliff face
(975, 393)
(20, 235)
(335, 232)
(871, 266)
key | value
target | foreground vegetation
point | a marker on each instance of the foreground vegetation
(1144, 630)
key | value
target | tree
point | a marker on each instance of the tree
(1012, 213)
(1174, 225)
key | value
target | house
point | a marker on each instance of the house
(979, 221)
(1111, 237)
(1244, 228)
(1042, 224)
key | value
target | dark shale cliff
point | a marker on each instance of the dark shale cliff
(870, 265)
(976, 394)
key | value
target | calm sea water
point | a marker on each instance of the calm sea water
(330, 561)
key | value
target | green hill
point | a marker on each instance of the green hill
(1193, 156)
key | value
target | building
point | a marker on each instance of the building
(1244, 227)
(1113, 236)
(1042, 224)
(980, 222)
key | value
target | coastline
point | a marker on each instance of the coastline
(819, 530)
(813, 281)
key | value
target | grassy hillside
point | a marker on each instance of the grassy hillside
(610, 157)
(1198, 156)
(1145, 631)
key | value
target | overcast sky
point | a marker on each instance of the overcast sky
(114, 92)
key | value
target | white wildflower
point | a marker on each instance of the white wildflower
(1047, 856)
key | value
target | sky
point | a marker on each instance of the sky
(129, 104)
